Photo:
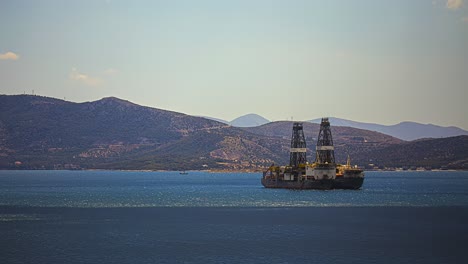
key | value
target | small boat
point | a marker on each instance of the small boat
(183, 173)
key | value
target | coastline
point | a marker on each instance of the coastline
(225, 170)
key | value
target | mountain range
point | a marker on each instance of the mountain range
(368, 147)
(46, 133)
(404, 130)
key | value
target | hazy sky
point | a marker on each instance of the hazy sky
(372, 61)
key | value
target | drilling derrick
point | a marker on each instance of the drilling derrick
(298, 146)
(323, 174)
(325, 150)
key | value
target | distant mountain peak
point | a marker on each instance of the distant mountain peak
(112, 98)
(113, 101)
(249, 120)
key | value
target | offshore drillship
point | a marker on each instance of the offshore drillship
(322, 174)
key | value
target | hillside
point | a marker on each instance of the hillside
(38, 122)
(451, 152)
(347, 140)
(40, 132)
(46, 133)
(368, 147)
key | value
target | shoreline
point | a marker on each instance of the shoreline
(221, 170)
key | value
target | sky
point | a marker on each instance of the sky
(374, 61)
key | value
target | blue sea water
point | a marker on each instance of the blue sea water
(165, 217)
(202, 189)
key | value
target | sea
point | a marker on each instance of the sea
(203, 217)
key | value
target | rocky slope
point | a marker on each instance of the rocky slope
(46, 133)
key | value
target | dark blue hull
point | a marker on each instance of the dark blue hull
(338, 183)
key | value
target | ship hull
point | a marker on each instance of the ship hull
(348, 183)
(325, 184)
(338, 183)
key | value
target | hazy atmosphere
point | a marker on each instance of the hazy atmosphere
(370, 61)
